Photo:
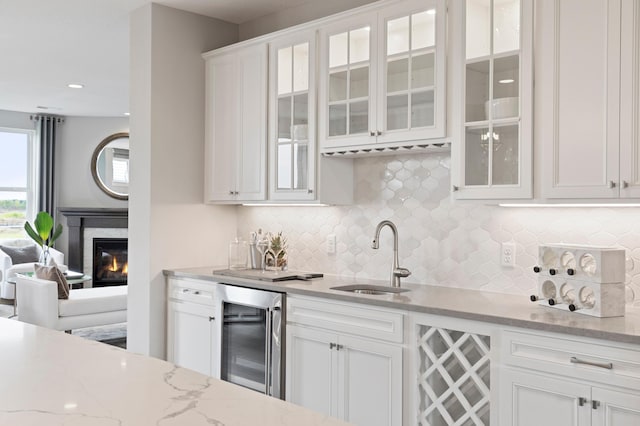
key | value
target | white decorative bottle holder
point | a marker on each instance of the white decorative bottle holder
(585, 279)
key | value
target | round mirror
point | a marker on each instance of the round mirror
(110, 165)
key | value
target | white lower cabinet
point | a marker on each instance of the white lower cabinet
(354, 378)
(191, 330)
(559, 381)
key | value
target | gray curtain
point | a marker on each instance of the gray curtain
(47, 130)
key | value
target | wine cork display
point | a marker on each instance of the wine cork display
(583, 279)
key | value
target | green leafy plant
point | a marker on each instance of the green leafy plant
(42, 234)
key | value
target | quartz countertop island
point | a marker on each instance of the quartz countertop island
(52, 378)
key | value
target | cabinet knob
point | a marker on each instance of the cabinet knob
(310, 191)
(455, 188)
(196, 292)
(332, 345)
(378, 133)
(595, 404)
(612, 184)
(230, 192)
(372, 133)
(537, 269)
(625, 184)
(582, 400)
(211, 318)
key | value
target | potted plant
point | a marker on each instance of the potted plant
(42, 234)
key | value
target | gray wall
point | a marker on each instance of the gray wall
(169, 226)
(17, 120)
(77, 139)
(296, 15)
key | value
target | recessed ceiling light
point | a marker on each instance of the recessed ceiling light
(506, 81)
(431, 12)
(75, 85)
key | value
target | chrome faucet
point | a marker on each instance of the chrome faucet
(396, 271)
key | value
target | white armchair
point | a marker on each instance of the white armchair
(9, 270)
(38, 304)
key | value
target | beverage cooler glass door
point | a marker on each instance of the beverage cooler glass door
(251, 339)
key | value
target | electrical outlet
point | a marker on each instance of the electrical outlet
(331, 244)
(508, 255)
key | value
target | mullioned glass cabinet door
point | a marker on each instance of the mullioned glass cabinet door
(292, 110)
(495, 100)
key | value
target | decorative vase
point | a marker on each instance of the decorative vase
(45, 256)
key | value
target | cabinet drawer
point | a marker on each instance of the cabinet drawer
(347, 318)
(189, 290)
(615, 365)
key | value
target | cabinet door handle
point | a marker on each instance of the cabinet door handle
(582, 401)
(607, 365)
(211, 318)
(612, 184)
(595, 404)
(185, 290)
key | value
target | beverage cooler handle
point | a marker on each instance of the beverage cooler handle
(274, 355)
(268, 356)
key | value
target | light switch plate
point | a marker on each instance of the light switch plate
(331, 244)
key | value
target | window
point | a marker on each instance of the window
(17, 181)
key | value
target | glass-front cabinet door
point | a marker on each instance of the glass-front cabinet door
(347, 89)
(292, 147)
(494, 89)
(382, 76)
(412, 86)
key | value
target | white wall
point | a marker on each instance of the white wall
(296, 15)
(77, 139)
(169, 226)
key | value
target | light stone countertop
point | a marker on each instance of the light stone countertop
(497, 308)
(52, 378)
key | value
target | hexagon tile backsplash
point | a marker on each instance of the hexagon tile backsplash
(440, 242)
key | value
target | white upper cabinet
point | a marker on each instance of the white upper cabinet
(588, 92)
(292, 134)
(236, 125)
(382, 76)
(492, 44)
(296, 171)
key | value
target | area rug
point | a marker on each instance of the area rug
(115, 334)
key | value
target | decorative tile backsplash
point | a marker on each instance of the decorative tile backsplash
(441, 242)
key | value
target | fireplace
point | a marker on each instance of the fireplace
(110, 262)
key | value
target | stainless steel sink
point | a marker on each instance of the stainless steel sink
(370, 289)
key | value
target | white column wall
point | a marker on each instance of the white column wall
(169, 226)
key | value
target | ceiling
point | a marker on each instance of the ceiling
(47, 44)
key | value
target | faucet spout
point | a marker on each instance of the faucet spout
(396, 271)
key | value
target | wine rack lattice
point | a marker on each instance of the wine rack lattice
(453, 377)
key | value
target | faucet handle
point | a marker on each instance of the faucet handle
(401, 272)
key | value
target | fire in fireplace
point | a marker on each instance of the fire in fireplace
(110, 263)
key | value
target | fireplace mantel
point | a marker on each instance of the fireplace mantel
(80, 218)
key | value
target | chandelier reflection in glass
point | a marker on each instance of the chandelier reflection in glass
(484, 140)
